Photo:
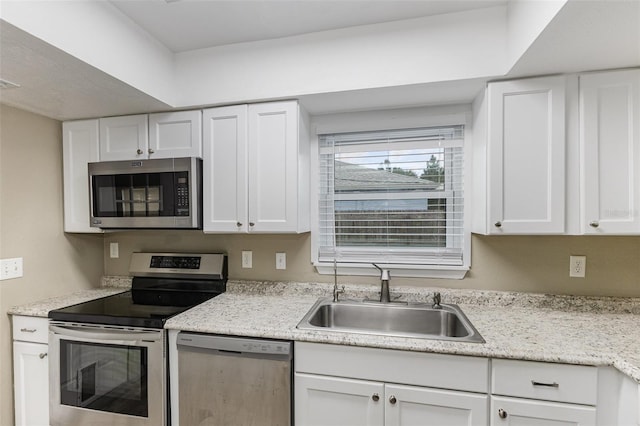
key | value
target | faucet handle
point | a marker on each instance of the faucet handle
(384, 273)
(436, 301)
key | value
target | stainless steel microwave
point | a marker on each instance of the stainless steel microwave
(146, 194)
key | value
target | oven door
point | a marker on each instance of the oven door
(103, 375)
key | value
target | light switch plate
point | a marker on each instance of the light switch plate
(114, 250)
(10, 268)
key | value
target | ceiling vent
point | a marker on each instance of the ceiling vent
(6, 84)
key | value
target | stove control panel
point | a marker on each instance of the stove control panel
(175, 262)
(179, 265)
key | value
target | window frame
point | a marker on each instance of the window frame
(388, 120)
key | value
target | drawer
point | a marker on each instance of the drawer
(31, 329)
(546, 381)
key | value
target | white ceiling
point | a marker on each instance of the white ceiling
(586, 35)
(194, 24)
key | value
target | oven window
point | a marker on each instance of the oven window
(104, 377)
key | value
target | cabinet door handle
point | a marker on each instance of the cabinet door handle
(28, 330)
(42, 355)
(375, 397)
(502, 414)
(150, 151)
(238, 224)
(498, 224)
(548, 385)
(594, 224)
(392, 400)
(251, 224)
(139, 151)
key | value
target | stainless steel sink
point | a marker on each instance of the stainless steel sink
(417, 320)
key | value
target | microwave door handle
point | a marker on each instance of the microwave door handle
(132, 337)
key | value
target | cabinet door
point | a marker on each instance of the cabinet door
(175, 134)
(333, 401)
(124, 138)
(610, 143)
(225, 191)
(410, 405)
(31, 383)
(273, 167)
(526, 158)
(527, 412)
(79, 147)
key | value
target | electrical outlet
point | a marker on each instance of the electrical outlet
(10, 268)
(247, 259)
(577, 266)
(281, 260)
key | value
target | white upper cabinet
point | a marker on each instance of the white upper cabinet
(225, 169)
(124, 138)
(79, 148)
(162, 135)
(278, 168)
(256, 169)
(610, 148)
(526, 156)
(175, 134)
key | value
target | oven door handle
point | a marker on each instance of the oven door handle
(107, 335)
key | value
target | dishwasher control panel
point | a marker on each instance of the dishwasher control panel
(233, 345)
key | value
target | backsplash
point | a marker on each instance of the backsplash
(530, 264)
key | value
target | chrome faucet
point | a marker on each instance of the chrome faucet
(336, 292)
(384, 284)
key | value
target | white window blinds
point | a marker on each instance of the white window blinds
(392, 197)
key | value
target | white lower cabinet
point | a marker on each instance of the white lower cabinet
(340, 385)
(31, 371)
(325, 401)
(528, 412)
(540, 393)
(412, 405)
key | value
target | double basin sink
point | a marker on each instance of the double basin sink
(414, 320)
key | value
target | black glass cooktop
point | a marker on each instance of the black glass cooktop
(150, 303)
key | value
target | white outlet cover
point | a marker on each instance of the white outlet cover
(247, 259)
(281, 260)
(577, 266)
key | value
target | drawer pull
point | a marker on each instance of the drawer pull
(28, 330)
(547, 385)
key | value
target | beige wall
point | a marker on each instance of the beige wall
(528, 264)
(57, 263)
(31, 227)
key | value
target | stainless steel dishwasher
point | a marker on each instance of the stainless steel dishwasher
(233, 381)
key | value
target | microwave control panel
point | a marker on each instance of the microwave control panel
(182, 194)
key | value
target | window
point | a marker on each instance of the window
(392, 197)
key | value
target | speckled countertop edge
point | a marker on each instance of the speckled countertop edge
(41, 308)
(600, 331)
(596, 331)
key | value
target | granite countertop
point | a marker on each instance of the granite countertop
(601, 331)
(574, 330)
(42, 308)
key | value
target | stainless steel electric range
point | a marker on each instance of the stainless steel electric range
(108, 362)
